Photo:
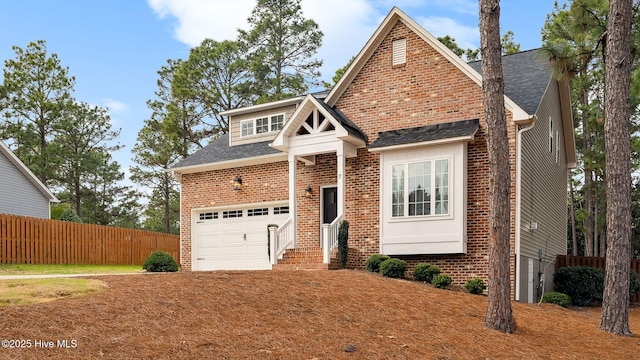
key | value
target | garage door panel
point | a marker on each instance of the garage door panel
(234, 242)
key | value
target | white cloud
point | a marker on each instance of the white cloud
(465, 36)
(197, 20)
(346, 24)
(115, 106)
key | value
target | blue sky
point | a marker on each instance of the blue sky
(115, 47)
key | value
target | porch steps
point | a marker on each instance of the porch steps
(302, 259)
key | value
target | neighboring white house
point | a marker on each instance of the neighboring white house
(21, 193)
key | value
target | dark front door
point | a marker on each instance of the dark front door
(329, 204)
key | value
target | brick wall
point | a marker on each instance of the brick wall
(426, 90)
(260, 183)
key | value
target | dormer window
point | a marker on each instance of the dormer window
(262, 125)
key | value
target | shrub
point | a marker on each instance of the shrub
(373, 262)
(634, 285)
(441, 281)
(475, 286)
(583, 284)
(160, 261)
(557, 298)
(393, 268)
(343, 239)
(425, 272)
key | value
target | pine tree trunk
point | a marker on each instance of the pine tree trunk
(499, 315)
(588, 173)
(615, 302)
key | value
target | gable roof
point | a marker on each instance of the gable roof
(346, 129)
(438, 133)
(395, 16)
(526, 77)
(4, 149)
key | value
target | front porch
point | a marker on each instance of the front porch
(317, 141)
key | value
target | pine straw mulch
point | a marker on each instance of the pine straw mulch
(299, 315)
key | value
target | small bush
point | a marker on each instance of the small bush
(393, 268)
(425, 272)
(634, 284)
(441, 281)
(160, 261)
(373, 262)
(557, 298)
(475, 286)
(343, 240)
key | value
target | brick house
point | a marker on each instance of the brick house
(398, 149)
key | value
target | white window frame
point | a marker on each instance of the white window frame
(246, 127)
(432, 181)
(252, 125)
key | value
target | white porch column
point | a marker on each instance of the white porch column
(341, 182)
(293, 211)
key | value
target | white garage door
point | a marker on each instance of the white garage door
(235, 239)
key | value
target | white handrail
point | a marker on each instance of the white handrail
(330, 238)
(280, 238)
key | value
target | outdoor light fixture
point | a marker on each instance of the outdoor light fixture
(237, 183)
(308, 192)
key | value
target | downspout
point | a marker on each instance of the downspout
(518, 199)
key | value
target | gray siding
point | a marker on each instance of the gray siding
(235, 131)
(18, 195)
(543, 194)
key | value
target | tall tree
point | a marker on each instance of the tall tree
(282, 45)
(215, 78)
(33, 96)
(499, 314)
(615, 299)
(106, 200)
(183, 122)
(84, 136)
(574, 36)
(155, 157)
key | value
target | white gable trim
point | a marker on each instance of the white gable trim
(4, 149)
(395, 15)
(286, 139)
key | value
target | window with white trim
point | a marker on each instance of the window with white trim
(280, 210)
(262, 125)
(247, 127)
(420, 188)
(232, 214)
(258, 212)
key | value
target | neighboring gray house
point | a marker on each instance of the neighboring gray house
(21, 193)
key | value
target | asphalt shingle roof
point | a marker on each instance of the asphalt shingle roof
(526, 76)
(426, 133)
(219, 151)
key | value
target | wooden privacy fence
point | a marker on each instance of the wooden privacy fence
(26, 240)
(596, 262)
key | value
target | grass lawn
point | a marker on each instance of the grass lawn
(46, 269)
(33, 291)
(300, 315)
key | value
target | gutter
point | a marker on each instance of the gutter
(519, 200)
